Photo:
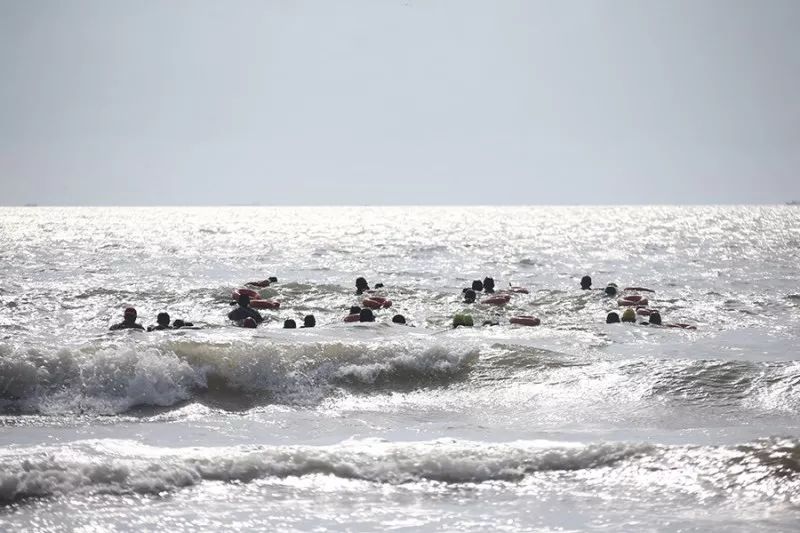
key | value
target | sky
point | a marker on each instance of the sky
(197, 102)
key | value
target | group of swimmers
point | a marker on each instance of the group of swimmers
(162, 322)
(246, 316)
(635, 304)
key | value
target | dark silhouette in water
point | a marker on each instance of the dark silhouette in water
(162, 322)
(128, 321)
(245, 311)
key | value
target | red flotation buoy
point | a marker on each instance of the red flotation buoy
(525, 320)
(352, 318)
(633, 301)
(499, 299)
(258, 303)
(247, 292)
(376, 302)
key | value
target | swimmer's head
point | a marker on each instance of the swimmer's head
(399, 319)
(309, 321)
(163, 319)
(469, 296)
(366, 315)
(611, 289)
(462, 320)
(178, 323)
(612, 318)
(629, 315)
(272, 279)
(586, 282)
(655, 318)
(379, 285)
(130, 314)
(354, 310)
(249, 323)
(477, 285)
(488, 284)
(289, 323)
(361, 285)
(244, 300)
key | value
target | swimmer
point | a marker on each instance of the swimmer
(178, 323)
(361, 285)
(162, 322)
(488, 285)
(399, 319)
(261, 284)
(128, 321)
(245, 311)
(611, 290)
(379, 285)
(461, 319)
(612, 318)
(586, 283)
(477, 285)
(469, 296)
(289, 324)
(655, 318)
(629, 316)
(309, 321)
(366, 315)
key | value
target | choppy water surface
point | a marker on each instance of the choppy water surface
(574, 424)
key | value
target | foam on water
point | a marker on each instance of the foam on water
(767, 468)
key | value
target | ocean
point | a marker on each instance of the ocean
(572, 425)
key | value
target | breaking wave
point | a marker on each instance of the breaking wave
(115, 379)
(764, 468)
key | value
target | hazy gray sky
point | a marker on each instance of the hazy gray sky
(399, 102)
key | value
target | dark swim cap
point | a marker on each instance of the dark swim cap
(366, 315)
(612, 318)
(130, 311)
(309, 321)
(611, 290)
(655, 318)
(477, 285)
(289, 324)
(586, 282)
(399, 319)
(488, 284)
(163, 319)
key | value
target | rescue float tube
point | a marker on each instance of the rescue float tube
(264, 304)
(253, 295)
(525, 320)
(634, 300)
(500, 299)
(645, 312)
(352, 318)
(639, 289)
(376, 302)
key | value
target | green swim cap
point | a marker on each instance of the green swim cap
(462, 320)
(629, 315)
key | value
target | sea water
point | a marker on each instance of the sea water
(571, 425)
